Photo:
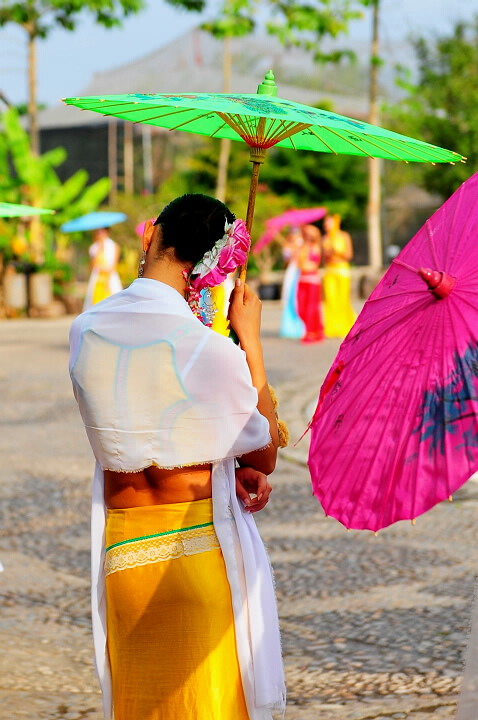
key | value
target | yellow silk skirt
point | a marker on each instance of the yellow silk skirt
(338, 311)
(171, 637)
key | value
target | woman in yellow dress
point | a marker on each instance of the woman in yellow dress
(104, 279)
(338, 251)
(184, 615)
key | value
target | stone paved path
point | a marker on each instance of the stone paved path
(373, 627)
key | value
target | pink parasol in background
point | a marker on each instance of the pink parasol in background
(139, 229)
(302, 216)
(396, 427)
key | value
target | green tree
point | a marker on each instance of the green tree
(39, 17)
(234, 19)
(35, 182)
(307, 24)
(441, 107)
(310, 179)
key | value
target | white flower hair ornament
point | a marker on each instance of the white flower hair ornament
(225, 256)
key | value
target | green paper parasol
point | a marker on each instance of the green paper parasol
(262, 121)
(11, 210)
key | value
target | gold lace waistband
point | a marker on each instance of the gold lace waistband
(160, 547)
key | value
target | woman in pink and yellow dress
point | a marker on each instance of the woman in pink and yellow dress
(309, 294)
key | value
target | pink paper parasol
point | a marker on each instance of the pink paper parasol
(302, 216)
(396, 428)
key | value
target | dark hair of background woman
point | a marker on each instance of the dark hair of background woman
(192, 224)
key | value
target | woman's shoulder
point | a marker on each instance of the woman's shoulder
(221, 346)
(222, 355)
(224, 373)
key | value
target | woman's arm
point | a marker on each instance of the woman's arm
(302, 258)
(245, 317)
(348, 251)
(117, 256)
(342, 247)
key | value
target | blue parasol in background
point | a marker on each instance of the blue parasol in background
(93, 221)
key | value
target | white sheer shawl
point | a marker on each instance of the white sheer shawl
(154, 386)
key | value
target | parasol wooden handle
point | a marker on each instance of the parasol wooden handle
(257, 157)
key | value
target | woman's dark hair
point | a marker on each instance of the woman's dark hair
(192, 224)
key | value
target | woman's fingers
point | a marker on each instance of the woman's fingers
(242, 493)
(239, 289)
(252, 482)
(261, 486)
(256, 504)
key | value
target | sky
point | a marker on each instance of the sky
(66, 61)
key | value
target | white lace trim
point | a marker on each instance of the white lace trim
(160, 548)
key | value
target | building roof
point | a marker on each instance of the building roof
(193, 63)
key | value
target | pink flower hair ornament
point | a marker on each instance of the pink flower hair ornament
(228, 253)
(225, 256)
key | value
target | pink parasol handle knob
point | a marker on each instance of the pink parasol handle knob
(440, 283)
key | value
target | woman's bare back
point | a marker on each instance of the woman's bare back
(156, 486)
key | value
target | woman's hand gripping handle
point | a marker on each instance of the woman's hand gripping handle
(245, 311)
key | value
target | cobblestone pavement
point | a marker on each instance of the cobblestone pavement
(373, 627)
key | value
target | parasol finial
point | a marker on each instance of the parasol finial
(440, 283)
(268, 86)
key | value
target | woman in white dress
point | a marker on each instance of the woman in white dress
(184, 615)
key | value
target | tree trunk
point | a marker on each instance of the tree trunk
(147, 159)
(112, 159)
(374, 164)
(221, 186)
(32, 100)
(37, 236)
(128, 158)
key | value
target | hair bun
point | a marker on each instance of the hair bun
(191, 224)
